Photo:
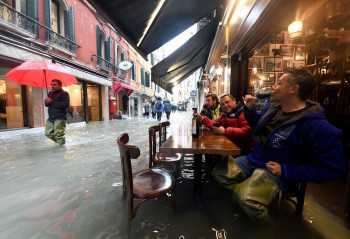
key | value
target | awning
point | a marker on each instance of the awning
(185, 60)
(118, 86)
(175, 16)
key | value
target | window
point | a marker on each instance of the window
(147, 79)
(55, 17)
(103, 48)
(26, 7)
(19, 5)
(59, 18)
(142, 76)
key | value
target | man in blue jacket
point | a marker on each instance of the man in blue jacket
(294, 143)
(159, 107)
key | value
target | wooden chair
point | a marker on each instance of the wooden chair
(163, 132)
(155, 157)
(143, 185)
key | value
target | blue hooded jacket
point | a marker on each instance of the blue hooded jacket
(167, 106)
(307, 146)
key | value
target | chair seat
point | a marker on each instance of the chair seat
(166, 158)
(151, 183)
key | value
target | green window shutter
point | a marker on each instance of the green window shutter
(24, 7)
(152, 59)
(142, 76)
(113, 55)
(31, 11)
(133, 71)
(66, 24)
(147, 79)
(30, 8)
(98, 44)
(69, 27)
(108, 49)
(69, 24)
(122, 56)
(115, 58)
(48, 17)
(118, 53)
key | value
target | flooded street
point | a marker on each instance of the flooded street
(74, 192)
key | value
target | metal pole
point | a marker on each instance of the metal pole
(47, 90)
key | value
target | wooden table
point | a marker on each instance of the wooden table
(207, 143)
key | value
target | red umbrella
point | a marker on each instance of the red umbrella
(40, 74)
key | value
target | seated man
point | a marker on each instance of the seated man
(211, 108)
(294, 143)
(231, 122)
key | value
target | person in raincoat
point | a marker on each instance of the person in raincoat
(159, 108)
(146, 109)
(57, 102)
(167, 108)
(294, 143)
(153, 110)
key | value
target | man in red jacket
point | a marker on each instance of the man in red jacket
(231, 122)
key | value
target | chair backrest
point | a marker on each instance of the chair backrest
(163, 132)
(152, 134)
(127, 152)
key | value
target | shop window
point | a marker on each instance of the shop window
(11, 105)
(76, 103)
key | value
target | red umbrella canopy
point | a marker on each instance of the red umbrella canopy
(40, 74)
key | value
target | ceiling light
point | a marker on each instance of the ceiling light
(295, 29)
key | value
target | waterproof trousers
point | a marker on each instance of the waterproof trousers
(55, 131)
(253, 188)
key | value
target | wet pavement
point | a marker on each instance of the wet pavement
(74, 192)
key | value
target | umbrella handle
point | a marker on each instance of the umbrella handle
(47, 90)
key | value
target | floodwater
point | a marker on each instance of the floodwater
(74, 192)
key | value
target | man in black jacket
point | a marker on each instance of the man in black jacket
(57, 102)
